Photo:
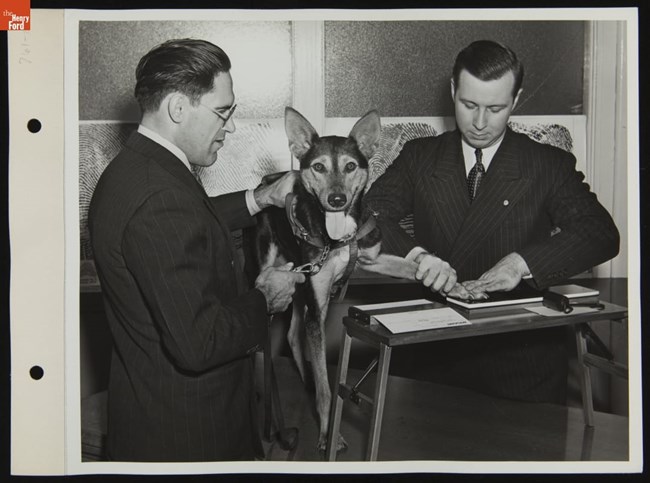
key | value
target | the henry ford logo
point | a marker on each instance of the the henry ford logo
(15, 15)
(16, 22)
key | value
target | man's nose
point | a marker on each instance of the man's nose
(230, 127)
(480, 119)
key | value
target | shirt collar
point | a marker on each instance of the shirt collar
(157, 138)
(488, 154)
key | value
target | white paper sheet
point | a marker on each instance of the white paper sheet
(390, 305)
(421, 320)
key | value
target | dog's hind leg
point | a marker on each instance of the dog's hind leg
(296, 332)
(317, 304)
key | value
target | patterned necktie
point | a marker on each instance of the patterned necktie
(475, 175)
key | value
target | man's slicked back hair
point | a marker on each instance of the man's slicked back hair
(488, 60)
(187, 66)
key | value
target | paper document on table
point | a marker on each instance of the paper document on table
(421, 320)
(548, 312)
(394, 305)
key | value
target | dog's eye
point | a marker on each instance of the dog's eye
(350, 167)
(318, 167)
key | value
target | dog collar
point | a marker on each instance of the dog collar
(301, 233)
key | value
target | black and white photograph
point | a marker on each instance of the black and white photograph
(398, 239)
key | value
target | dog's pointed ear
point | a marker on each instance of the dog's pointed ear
(366, 133)
(300, 132)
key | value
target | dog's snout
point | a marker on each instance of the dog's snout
(336, 200)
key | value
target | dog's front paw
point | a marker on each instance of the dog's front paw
(341, 444)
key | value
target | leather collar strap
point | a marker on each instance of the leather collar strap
(300, 232)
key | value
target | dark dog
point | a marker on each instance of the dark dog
(322, 233)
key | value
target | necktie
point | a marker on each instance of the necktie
(475, 175)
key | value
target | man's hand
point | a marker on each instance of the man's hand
(278, 285)
(274, 194)
(460, 292)
(504, 276)
(432, 271)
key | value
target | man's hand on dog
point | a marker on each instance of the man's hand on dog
(278, 285)
(274, 194)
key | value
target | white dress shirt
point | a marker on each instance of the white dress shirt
(488, 153)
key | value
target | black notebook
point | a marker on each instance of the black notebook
(524, 294)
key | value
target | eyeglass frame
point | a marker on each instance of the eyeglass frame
(224, 117)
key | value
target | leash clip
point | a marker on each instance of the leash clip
(309, 268)
(312, 268)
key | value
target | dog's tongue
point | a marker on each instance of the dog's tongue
(338, 225)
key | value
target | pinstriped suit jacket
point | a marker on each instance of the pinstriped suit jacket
(183, 324)
(529, 191)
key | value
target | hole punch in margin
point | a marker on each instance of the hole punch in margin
(34, 125)
(36, 372)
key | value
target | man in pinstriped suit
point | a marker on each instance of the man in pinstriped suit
(183, 322)
(492, 207)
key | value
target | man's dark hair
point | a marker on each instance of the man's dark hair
(488, 60)
(187, 66)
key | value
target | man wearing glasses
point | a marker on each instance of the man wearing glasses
(183, 322)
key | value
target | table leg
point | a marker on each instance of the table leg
(380, 396)
(337, 403)
(585, 378)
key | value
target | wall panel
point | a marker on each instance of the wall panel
(403, 68)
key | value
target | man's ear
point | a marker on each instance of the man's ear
(300, 132)
(453, 89)
(514, 103)
(176, 106)
(366, 133)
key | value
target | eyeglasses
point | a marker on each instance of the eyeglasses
(224, 116)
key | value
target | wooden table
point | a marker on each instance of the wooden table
(514, 319)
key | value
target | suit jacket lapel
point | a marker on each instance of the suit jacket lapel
(175, 167)
(165, 159)
(449, 189)
(499, 192)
